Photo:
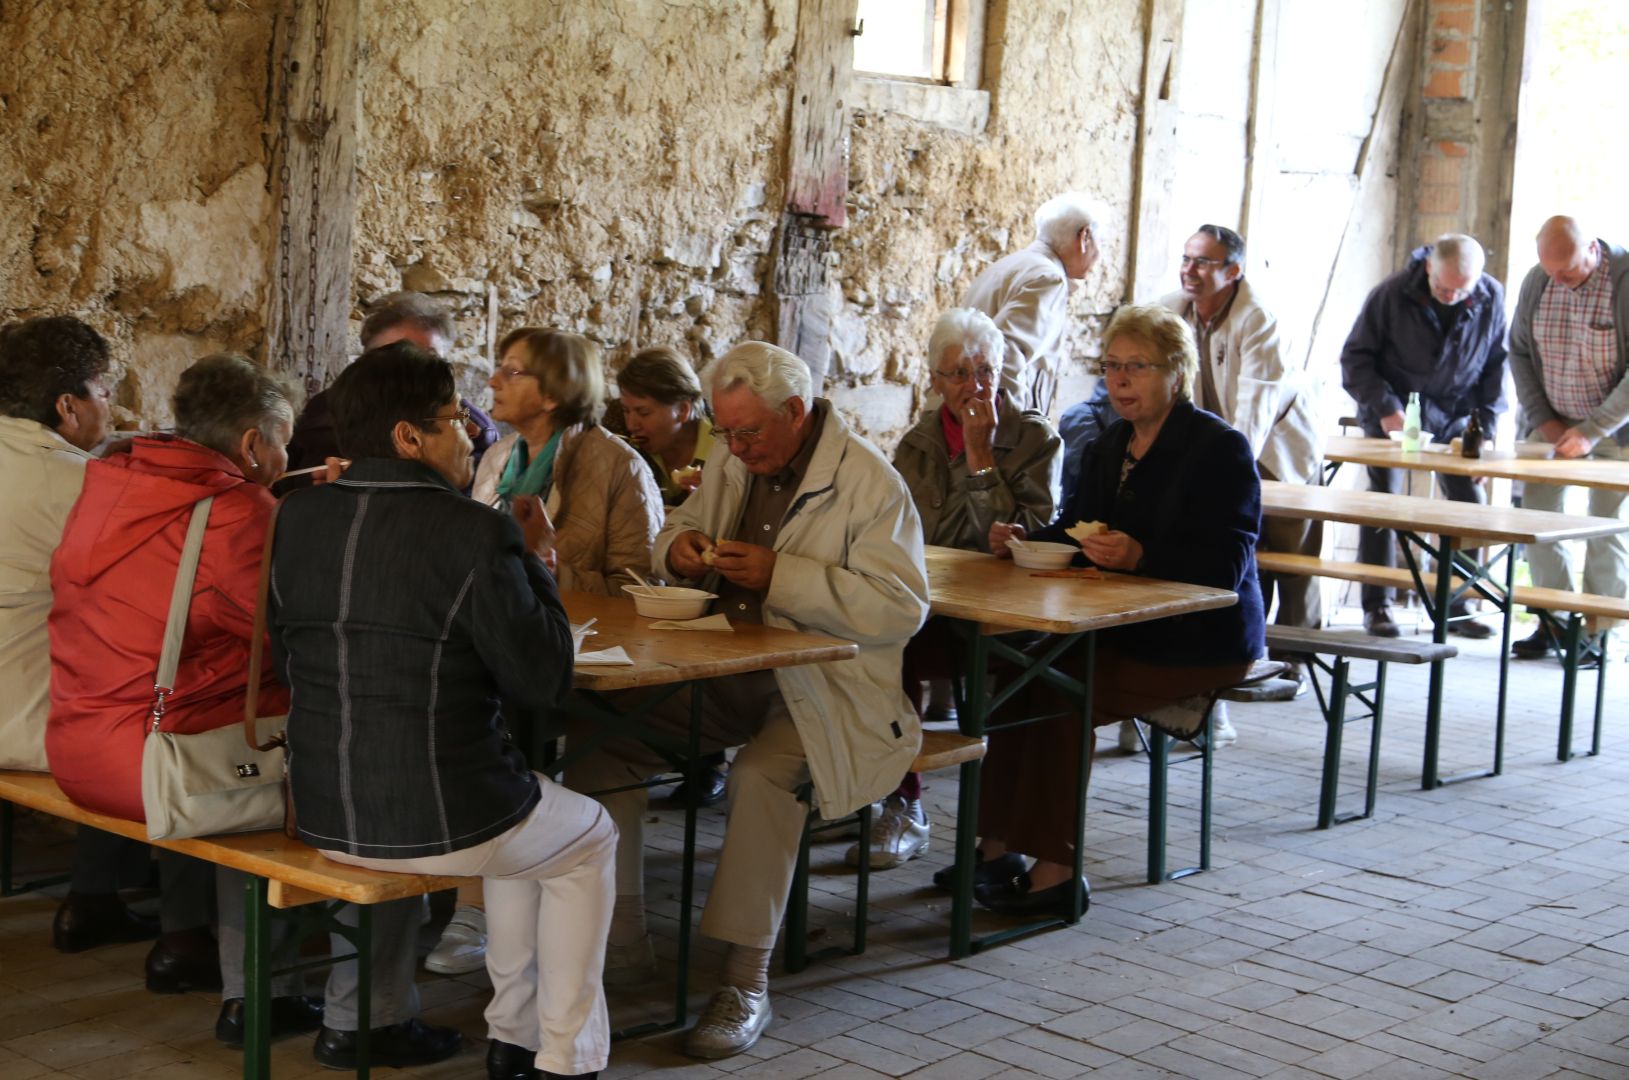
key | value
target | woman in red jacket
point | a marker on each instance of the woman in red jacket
(111, 580)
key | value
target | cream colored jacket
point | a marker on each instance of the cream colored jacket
(1270, 401)
(849, 565)
(604, 503)
(42, 473)
(1027, 295)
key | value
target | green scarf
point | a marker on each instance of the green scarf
(523, 477)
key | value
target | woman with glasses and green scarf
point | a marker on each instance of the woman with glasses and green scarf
(605, 505)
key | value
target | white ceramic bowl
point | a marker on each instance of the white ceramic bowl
(1425, 437)
(669, 601)
(1536, 450)
(1039, 555)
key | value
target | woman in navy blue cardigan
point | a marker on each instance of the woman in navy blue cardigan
(1178, 491)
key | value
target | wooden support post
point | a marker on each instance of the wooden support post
(1261, 143)
(816, 179)
(313, 178)
(1149, 272)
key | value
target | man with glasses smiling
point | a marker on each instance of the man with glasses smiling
(1435, 328)
(1247, 377)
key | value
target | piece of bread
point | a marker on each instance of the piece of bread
(710, 554)
(1080, 530)
(683, 476)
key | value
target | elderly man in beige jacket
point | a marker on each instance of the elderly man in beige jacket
(802, 524)
(1247, 378)
(1027, 294)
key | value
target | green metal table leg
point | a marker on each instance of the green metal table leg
(256, 980)
(797, 909)
(1077, 902)
(1377, 715)
(971, 718)
(687, 871)
(364, 988)
(1159, 755)
(862, 886)
(1569, 684)
(7, 823)
(1206, 788)
(1429, 777)
(1335, 722)
(1508, 608)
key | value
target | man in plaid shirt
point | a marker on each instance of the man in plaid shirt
(1569, 345)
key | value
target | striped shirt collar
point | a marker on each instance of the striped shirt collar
(393, 473)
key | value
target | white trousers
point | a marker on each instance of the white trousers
(550, 886)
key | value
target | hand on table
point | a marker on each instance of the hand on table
(748, 565)
(684, 554)
(536, 527)
(1000, 533)
(1113, 550)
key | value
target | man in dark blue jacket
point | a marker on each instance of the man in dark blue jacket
(411, 624)
(1436, 328)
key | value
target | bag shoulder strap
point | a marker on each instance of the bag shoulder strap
(251, 700)
(175, 624)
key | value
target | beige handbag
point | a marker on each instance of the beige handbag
(209, 782)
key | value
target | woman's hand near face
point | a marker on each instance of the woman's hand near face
(1000, 533)
(1113, 550)
(978, 430)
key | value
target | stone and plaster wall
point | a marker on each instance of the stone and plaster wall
(132, 178)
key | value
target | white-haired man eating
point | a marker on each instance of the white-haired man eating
(803, 525)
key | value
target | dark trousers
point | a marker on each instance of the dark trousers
(105, 862)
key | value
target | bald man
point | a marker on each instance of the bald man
(1569, 346)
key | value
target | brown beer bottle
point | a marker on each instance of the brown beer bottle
(1470, 443)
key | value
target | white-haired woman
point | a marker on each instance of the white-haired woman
(976, 459)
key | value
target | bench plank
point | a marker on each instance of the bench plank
(1278, 562)
(942, 749)
(1357, 644)
(299, 873)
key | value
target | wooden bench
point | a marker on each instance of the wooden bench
(285, 874)
(940, 750)
(1343, 647)
(1569, 631)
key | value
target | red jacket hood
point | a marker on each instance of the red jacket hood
(129, 498)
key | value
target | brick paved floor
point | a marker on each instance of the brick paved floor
(1480, 930)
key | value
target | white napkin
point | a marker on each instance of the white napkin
(706, 622)
(614, 655)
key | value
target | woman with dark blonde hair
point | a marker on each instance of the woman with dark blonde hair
(666, 418)
(604, 503)
(1174, 493)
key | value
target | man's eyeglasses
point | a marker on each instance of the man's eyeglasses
(744, 436)
(984, 373)
(1130, 367)
(1201, 263)
(462, 416)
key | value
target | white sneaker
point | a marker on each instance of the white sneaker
(462, 948)
(630, 965)
(1222, 732)
(731, 1023)
(898, 834)
(1130, 741)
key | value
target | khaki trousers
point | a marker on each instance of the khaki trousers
(766, 818)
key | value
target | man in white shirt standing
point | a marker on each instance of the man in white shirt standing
(1027, 294)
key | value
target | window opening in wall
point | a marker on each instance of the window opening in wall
(924, 40)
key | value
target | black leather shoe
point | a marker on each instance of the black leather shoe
(1462, 623)
(289, 1016)
(1016, 897)
(506, 1061)
(1535, 646)
(411, 1042)
(182, 961)
(712, 789)
(1001, 868)
(1379, 623)
(86, 920)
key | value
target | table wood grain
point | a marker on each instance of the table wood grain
(668, 656)
(1003, 597)
(1439, 517)
(1501, 464)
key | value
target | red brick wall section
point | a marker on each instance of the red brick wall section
(1451, 49)
(1441, 202)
